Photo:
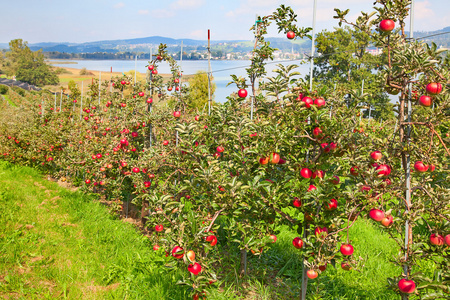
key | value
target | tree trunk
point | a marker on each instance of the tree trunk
(243, 267)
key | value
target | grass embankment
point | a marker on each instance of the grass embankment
(280, 269)
(9, 100)
(59, 244)
(74, 74)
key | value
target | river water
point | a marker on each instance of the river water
(221, 69)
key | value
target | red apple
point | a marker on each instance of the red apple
(353, 170)
(306, 173)
(177, 114)
(166, 142)
(420, 167)
(220, 149)
(264, 160)
(387, 25)
(311, 188)
(321, 233)
(406, 286)
(156, 247)
(383, 170)
(319, 102)
(335, 179)
(242, 93)
(317, 132)
(376, 214)
(436, 239)
(434, 88)
(297, 242)
(290, 35)
(447, 239)
(346, 266)
(151, 67)
(346, 249)
(308, 101)
(197, 118)
(312, 274)
(319, 174)
(425, 100)
(376, 155)
(177, 252)
(297, 202)
(332, 205)
(387, 221)
(212, 239)
(141, 94)
(195, 268)
(191, 255)
(136, 170)
(273, 237)
(431, 168)
(274, 158)
(159, 228)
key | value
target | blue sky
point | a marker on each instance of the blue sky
(94, 20)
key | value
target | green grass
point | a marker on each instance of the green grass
(59, 244)
(280, 269)
(9, 100)
(63, 79)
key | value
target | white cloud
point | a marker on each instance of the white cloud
(143, 12)
(425, 11)
(198, 34)
(162, 13)
(119, 5)
(187, 4)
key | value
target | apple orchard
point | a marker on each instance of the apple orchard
(275, 154)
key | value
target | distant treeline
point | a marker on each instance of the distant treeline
(95, 55)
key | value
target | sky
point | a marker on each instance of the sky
(95, 20)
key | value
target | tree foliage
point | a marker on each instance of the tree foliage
(28, 66)
(198, 90)
(343, 59)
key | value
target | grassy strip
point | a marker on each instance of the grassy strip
(59, 244)
(9, 100)
(280, 268)
(56, 243)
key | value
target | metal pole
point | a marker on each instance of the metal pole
(408, 160)
(181, 61)
(99, 85)
(209, 72)
(362, 92)
(81, 105)
(304, 270)
(135, 68)
(151, 96)
(312, 51)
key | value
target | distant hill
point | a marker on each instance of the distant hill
(143, 44)
(435, 36)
